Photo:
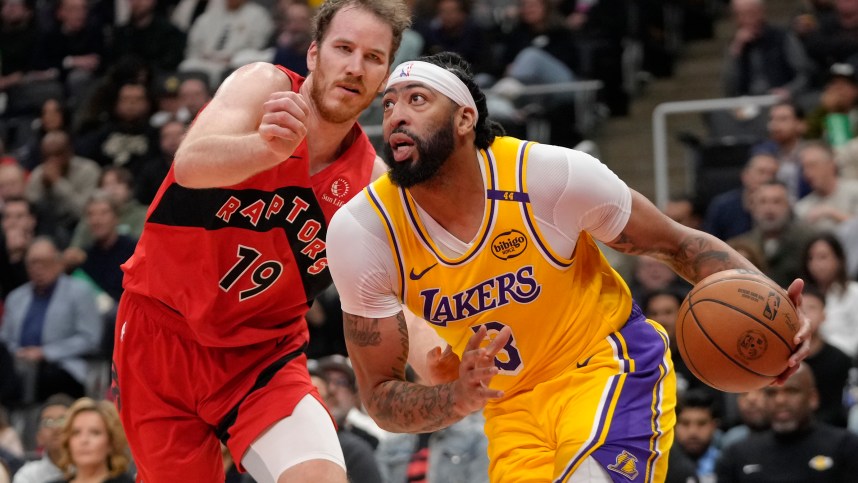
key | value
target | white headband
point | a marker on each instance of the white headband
(438, 78)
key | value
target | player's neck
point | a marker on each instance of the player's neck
(456, 196)
(326, 141)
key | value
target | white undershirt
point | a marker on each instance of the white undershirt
(569, 191)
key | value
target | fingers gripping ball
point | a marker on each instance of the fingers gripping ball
(735, 330)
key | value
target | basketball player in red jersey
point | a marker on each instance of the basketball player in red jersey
(211, 330)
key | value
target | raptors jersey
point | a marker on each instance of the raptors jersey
(557, 308)
(242, 264)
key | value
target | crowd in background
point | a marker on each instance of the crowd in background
(96, 95)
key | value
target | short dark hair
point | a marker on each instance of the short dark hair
(486, 129)
(797, 110)
(58, 399)
(697, 398)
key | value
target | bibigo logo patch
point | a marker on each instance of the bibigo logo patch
(509, 244)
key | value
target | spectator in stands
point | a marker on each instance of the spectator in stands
(697, 431)
(847, 233)
(98, 108)
(685, 210)
(51, 323)
(599, 29)
(10, 440)
(344, 402)
(219, 34)
(167, 103)
(94, 447)
(186, 12)
(153, 171)
(361, 466)
(453, 29)
(108, 248)
(10, 383)
(19, 228)
(13, 181)
(151, 37)
(73, 49)
(750, 251)
(824, 265)
(126, 139)
(290, 47)
(728, 214)
(829, 364)
(180, 98)
(786, 129)
(194, 94)
(53, 117)
(52, 416)
(833, 119)
(18, 36)
(763, 58)
(775, 233)
(796, 448)
(833, 200)
(539, 49)
(835, 37)
(61, 184)
(457, 453)
(651, 274)
(753, 416)
(118, 185)
(412, 40)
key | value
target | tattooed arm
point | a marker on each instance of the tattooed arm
(378, 349)
(691, 253)
(694, 255)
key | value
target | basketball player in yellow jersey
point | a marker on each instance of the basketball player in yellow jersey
(491, 240)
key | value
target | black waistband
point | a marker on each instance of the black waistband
(264, 377)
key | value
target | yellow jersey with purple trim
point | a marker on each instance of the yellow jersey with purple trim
(558, 308)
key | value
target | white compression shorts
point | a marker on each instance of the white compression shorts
(308, 434)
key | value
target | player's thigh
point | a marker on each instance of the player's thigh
(519, 448)
(176, 449)
(300, 448)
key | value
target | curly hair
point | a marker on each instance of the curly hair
(486, 129)
(117, 459)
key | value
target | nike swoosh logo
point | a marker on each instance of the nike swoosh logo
(418, 276)
(748, 469)
(586, 361)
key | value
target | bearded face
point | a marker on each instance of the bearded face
(430, 154)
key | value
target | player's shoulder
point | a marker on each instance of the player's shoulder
(552, 153)
(257, 76)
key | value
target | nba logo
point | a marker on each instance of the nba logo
(406, 70)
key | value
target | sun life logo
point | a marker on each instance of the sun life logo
(340, 187)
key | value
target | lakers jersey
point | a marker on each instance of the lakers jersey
(557, 307)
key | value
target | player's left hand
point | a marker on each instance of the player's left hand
(442, 366)
(802, 336)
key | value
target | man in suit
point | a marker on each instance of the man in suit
(50, 323)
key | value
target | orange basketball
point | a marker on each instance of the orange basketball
(735, 330)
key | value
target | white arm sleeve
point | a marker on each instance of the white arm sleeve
(360, 261)
(571, 192)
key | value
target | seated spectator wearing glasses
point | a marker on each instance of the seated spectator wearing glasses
(51, 420)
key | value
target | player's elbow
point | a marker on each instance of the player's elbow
(184, 172)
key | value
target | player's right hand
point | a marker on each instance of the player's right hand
(284, 122)
(477, 369)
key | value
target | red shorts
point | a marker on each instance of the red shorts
(176, 397)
